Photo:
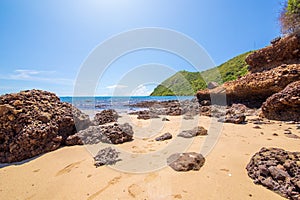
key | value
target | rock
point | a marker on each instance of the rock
(235, 119)
(171, 108)
(298, 126)
(145, 114)
(293, 136)
(113, 134)
(193, 133)
(280, 52)
(165, 119)
(212, 85)
(254, 88)
(287, 132)
(106, 116)
(284, 105)
(107, 156)
(186, 161)
(166, 136)
(34, 122)
(257, 127)
(278, 170)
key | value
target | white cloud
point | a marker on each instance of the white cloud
(35, 75)
(116, 86)
(141, 90)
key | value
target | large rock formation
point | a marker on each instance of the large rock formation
(282, 51)
(278, 170)
(271, 70)
(34, 122)
(284, 105)
(254, 88)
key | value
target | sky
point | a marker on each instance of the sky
(45, 44)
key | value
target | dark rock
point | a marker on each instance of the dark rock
(35, 122)
(186, 161)
(278, 170)
(107, 156)
(113, 134)
(106, 116)
(287, 132)
(284, 105)
(166, 136)
(165, 119)
(194, 132)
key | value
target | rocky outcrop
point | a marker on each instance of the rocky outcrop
(106, 116)
(193, 133)
(254, 88)
(166, 136)
(171, 108)
(145, 114)
(284, 105)
(282, 51)
(35, 122)
(112, 134)
(106, 156)
(186, 161)
(278, 170)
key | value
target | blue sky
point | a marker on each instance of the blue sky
(43, 44)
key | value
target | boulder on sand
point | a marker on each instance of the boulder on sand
(35, 122)
(186, 161)
(284, 105)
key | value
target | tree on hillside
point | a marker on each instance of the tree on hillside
(290, 17)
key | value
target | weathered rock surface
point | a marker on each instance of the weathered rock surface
(278, 170)
(145, 114)
(212, 85)
(166, 136)
(186, 161)
(106, 116)
(113, 134)
(282, 51)
(35, 122)
(107, 156)
(254, 88)
(171, 108)
(193, 133)
(284, 105)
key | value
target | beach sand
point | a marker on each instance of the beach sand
(69, 172)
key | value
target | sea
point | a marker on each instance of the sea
(120, 104)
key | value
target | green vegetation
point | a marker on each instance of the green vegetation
(290, 17)
(185, 83)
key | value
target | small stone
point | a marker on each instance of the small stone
(287, 131)
(186, 161)
(166, 136)
(165, 119)
(257, 127)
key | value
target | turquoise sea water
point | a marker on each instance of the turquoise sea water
(118, 103)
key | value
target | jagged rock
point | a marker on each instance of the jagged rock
(115, 134)
(278, 170)
(283, 51)
(193, 133)
(186, 161)
(35, 122)
(253, 89)
(284, 105)
(166, 136)
(212, 85)
(106, 116)
(107, 156)
(171, 108)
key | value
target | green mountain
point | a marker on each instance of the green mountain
(185, 83)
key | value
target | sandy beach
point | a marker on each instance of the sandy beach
(69, 172)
